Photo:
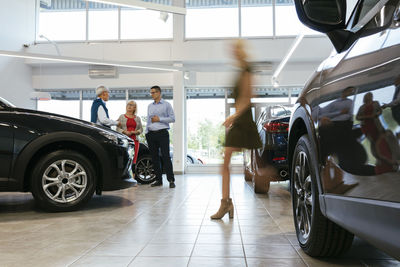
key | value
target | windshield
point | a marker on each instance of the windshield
(5, 102)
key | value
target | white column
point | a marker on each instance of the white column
(179, 94)
(179, 100)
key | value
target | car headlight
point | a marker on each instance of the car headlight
(124, 142)
(111, 137)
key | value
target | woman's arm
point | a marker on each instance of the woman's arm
(120, 128)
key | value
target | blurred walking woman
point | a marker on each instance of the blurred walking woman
(241, 129)
(131, 125)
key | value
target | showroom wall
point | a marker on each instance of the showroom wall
(18, 28)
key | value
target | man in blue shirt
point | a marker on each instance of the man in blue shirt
(159, 115)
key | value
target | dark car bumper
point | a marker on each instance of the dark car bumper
(118, 175)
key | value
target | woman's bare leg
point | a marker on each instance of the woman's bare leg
(226, 171)
(226, 202)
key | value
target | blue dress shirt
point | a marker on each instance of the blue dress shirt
(164, 111)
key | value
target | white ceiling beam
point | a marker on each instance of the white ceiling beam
(142, 4)
(14, 54)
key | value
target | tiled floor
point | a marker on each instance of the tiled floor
(144, 226)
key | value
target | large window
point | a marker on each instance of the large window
(103, 23)
(145, 24)
(212, 18)
(59, 23)
(257, 19)
(287, 22)
(65, 20)
(218, 18)
(205, 133)
(68, 108)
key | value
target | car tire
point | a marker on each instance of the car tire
(144, 171)
(260, 183)
(63, 180)
(248, 175)
(189, 160)
(317, 235)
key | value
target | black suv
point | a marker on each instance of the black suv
(344, 133)
(61, 160)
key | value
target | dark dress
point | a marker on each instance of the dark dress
(243, 133)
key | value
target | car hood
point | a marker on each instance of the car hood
(66, 119)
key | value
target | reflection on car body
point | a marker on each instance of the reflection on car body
(345, 172)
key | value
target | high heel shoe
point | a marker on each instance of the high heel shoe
(226, 207)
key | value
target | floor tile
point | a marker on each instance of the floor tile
(271, 251)
(221, 250)
(259, 262)
(228, 238)
(102, 261)
(174, 238)
(265, 239)
(216, 262)
(116, 249)
(164, 250)
(159, 262)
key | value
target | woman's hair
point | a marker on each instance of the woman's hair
(132, 102)
(240, 46)
(368, 97)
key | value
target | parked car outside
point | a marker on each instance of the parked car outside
(344, 133)
(269, 163)
(61, 160)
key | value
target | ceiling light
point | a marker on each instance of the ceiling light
(186, 75)
(164, 16)
(142, 4)
(88, 61)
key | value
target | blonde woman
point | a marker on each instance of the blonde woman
(241, 129)
(131, 125)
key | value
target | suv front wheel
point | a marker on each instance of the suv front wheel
(63, 181)
(317, 235)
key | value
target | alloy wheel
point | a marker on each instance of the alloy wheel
(303, 199)
(144, 169)
(64, 181)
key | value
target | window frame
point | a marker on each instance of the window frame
(87, 40)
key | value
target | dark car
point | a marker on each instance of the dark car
(344, 132)
(61, 160)
(144, 172)
(269, 163)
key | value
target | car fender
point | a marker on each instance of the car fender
(143, 150)
(301, 123)
(28, 153)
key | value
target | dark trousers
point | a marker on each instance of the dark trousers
(159, 141)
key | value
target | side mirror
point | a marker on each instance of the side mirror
(322, 15)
